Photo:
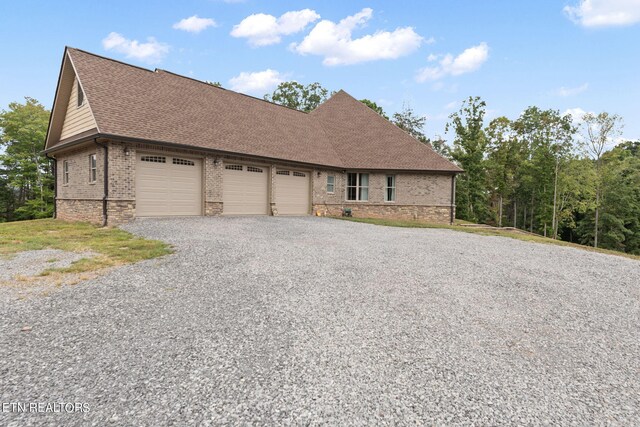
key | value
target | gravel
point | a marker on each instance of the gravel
(30, 263)
(281, 321)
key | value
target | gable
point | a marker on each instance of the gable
(67, 118)
(77, 119)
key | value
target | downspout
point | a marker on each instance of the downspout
(453, 199)
(106, 181)
(55, 184)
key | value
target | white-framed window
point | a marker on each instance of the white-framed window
(358, 186)
(80, 96)
(331, 184)
(233, 167)
(254, 169)
(390, 189)
(300, 174)
(93, 168)
(65, 172)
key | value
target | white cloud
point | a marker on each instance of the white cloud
(576, 114)
(334, 42)
(194, 24)
(451, 105)
(469, 60)
(604, 13)
(152, 51)
(262, 29)
(570, 91)
(257, 82)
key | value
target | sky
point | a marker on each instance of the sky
(569, 55)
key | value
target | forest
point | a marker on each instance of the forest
(564, 177)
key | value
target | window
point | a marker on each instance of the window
(390, 189)
(358, 186)
(80, 95)
(93, 170)
(65, 172)
(153, 159)
(331, 183)
(282, 173)
(185, 162)
(299, 174)
(233, 167)
(253, 169)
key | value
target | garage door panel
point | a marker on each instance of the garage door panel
(292, 192)
(172, 187)
(245, 192)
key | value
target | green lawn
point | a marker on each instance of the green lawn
(485, 232)
(112, 246)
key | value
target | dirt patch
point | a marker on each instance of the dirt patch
(25, 273)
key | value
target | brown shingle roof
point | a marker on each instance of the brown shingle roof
(133, 102)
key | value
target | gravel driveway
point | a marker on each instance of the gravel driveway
(312, 320)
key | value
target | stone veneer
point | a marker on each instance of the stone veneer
(419, 196)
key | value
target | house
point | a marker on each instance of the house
(130, 142)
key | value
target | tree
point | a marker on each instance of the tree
(27, 174)
(297, 96)
(505, 154)
(410, 122)
(549, 137)
(469, 148)
(598, 132)
(375, 107)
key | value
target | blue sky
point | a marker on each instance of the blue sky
(571, 55)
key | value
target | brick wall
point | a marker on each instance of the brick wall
(421, 196)
(418, 196)
(79, 186)
(80, 199)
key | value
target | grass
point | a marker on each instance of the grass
(485, 232)
(112, 246)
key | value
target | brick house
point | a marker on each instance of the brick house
(130, 142)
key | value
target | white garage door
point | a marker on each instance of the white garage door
(245, 190)
(168, 185)
(292, 192)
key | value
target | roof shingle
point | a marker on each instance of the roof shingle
(133, 102)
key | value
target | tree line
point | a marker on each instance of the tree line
(559, 176)
(564, 177)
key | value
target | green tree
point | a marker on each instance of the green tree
(26, 171)
(549, 137)
(619, 204)
(375, 107)
(410, 122)
(469, 149)
(505, 155)
(298, 96)
(599, 131)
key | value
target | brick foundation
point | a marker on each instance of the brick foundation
(213, 208)
(120, 211)
(79, 210)
(434, 214)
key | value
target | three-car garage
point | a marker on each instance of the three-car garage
(172, 185)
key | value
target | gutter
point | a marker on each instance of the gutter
(453, 199)
(105, 180)
(55, 184)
